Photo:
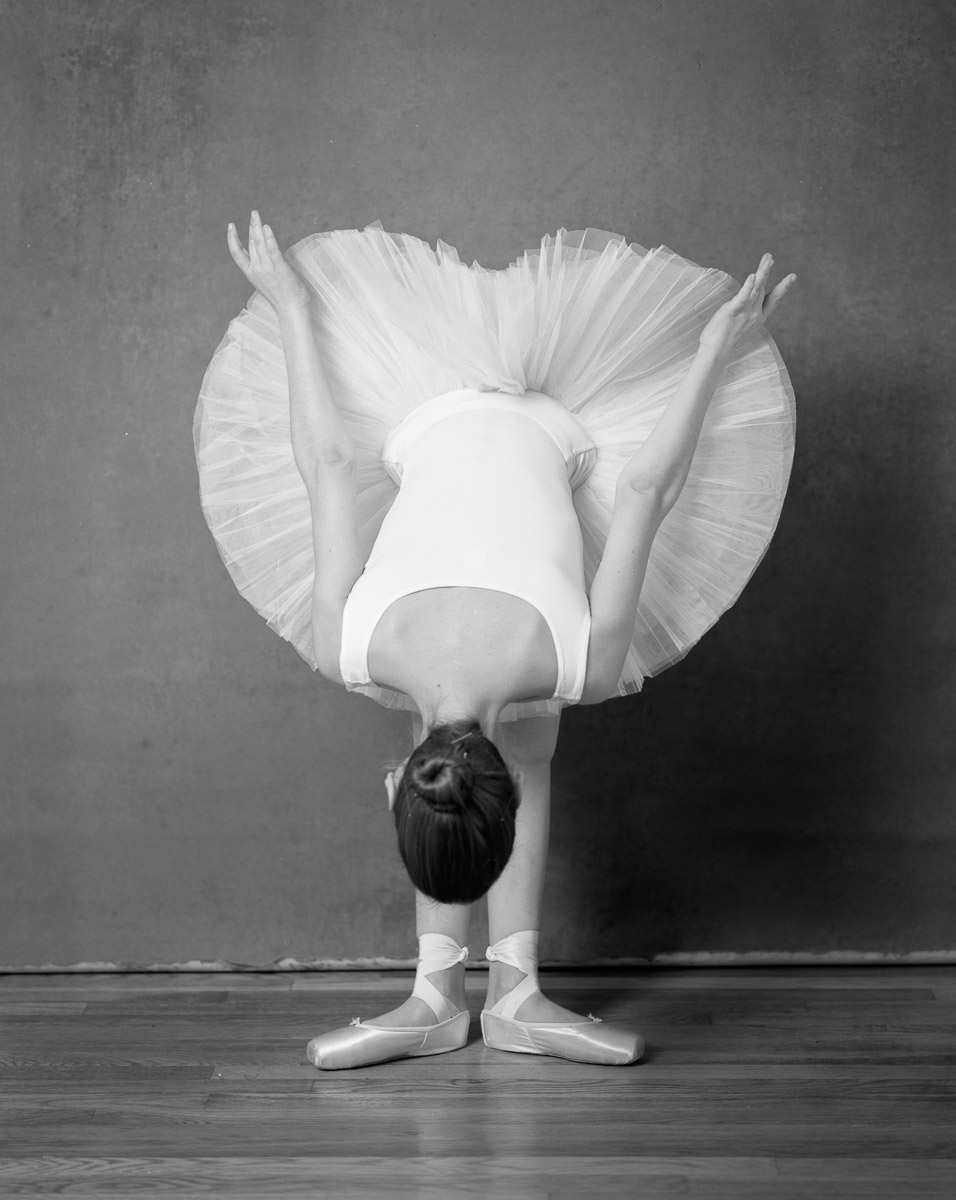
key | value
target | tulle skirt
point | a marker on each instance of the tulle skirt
(605, 327)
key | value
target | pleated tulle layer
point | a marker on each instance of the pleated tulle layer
(606, 328)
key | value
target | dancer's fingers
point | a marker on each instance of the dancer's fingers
(763, 273)
(239, 256)
(252, 237)
(778, 293)
(255, 238)
(271, 244)
(746, 288)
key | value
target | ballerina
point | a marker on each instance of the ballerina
(474, 598)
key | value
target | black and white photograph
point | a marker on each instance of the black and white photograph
(478, 599)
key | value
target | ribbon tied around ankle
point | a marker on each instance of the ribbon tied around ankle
(436, 952)
(517, 950)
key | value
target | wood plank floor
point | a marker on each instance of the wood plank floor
(779, 1082)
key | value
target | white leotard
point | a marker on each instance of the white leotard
(485, 482)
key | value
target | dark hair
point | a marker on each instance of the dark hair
(455, 813)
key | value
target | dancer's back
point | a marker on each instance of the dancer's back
(480, 557)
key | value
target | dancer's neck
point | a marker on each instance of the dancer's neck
(442, 704)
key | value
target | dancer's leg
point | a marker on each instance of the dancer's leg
(514, 902)
(432, 917)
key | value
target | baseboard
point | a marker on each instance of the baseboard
(701, 958)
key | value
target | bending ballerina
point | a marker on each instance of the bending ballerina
(482, 496)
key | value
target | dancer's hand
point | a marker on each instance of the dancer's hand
(746, 311)
(266, 268)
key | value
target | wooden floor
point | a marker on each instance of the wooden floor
(781, 1082)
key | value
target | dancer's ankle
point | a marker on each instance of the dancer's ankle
(502, 978)
(451, 983)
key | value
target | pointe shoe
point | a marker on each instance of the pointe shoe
(590, 1041)
(362, 1045)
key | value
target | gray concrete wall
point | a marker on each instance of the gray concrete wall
(176, 784)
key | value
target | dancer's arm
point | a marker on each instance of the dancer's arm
(321, 444)
(529, 740)
(651, 482)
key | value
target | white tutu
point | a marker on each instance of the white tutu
(606, 328)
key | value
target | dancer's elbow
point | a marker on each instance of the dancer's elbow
(605, 664)
(597, 690)
(653, 488)
(314, 460)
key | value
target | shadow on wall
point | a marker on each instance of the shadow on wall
(766, 786)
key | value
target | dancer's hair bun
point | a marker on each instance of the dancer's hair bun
(440, 781)
(455, 813)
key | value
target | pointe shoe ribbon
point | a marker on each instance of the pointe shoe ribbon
(590, 1041)
(362, 1045)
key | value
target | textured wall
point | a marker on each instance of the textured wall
(176, 784)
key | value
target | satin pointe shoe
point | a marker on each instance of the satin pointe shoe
(362, 1045)
(590, 1041)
